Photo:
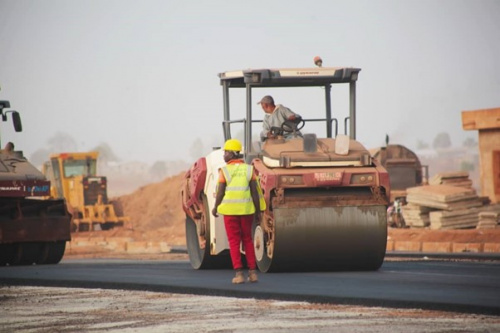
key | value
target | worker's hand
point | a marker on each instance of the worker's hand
(214, 212)
(258, 216)
(270, 135)
(296, 119)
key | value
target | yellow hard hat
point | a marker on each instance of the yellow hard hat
(232, 145)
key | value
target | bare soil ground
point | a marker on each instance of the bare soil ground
(42, 309)
(156, 215)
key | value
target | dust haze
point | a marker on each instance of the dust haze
(140, 79)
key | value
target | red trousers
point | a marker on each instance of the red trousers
(239, 230)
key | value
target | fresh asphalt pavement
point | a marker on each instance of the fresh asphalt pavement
(463, 286)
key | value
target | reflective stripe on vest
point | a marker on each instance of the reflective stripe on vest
(238, 198)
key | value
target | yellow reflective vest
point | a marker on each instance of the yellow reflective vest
(238, 198)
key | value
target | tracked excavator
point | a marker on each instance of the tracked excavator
(326, 197)
(32, 230)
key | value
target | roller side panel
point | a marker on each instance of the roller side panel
(31, 220)
(33, 231)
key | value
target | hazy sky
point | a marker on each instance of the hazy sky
(142, 75)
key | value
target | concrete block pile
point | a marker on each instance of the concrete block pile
(442, 206)
(454, 178)
(417, 216)
(489, 219)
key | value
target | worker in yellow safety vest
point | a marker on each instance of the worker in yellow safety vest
(239, 199)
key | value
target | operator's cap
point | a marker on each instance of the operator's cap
(267, 99)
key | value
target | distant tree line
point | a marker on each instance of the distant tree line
(443, 141)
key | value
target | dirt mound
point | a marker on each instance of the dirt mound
(155, 213)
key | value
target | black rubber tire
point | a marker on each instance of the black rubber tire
(55, 252)
(43, 254)
(30, 253)
(263, 262)
(107, 225)
(6, 253)
(17, 254)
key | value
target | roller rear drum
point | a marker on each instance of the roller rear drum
(324, 239)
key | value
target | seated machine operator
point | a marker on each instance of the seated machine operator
(275, 116)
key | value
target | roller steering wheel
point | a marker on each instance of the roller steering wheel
(288, 126)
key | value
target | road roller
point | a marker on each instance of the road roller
(32, 230)
(326, 196)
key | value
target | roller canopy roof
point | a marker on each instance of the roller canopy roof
(289, 77)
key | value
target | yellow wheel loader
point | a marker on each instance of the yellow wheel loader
(74, 177)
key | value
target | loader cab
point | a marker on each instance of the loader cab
(76, 167)
(66, 168)
(75, 179)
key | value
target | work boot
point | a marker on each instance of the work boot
(239, 278)
(252, 275)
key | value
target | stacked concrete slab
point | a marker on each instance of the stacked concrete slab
(454, 178)
(444, 197)
(416, 216)
(448, 207)
(489, 219)
(455, 219)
